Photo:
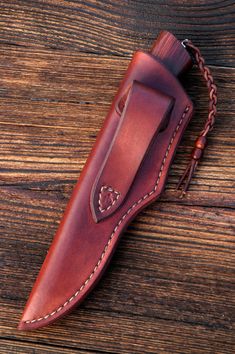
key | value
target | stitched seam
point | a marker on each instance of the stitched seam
(117, 226)
(110, 189)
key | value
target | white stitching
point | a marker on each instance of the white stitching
(110, 189)
(117, 226)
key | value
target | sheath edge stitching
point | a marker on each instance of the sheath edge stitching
(116, 228)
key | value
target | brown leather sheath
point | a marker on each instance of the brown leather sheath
(126, 170)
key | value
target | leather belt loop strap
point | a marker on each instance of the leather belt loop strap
(145, 112)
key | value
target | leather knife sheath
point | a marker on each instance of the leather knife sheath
(126, 170)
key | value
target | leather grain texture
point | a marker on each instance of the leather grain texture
(82, 248)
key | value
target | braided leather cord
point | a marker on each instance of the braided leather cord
(200, 142)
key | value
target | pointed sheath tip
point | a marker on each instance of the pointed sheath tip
(22, 326)
(29, 326)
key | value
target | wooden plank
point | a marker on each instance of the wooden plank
(118, 333)
(118, 26)
(18, 347)
(51, 109)
(170, 284)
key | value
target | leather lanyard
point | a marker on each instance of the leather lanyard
(200, 142)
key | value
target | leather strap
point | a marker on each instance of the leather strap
(144, 113)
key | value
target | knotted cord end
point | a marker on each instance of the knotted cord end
(196, 155)
(186, 177)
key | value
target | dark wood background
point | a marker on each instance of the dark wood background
(170, 286)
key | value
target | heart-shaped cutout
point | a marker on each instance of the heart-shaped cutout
(107, 198)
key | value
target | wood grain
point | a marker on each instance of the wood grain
(18, 347)
(52, 109)
(118, 26)
(170, 286)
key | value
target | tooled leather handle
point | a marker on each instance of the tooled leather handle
(145, 113)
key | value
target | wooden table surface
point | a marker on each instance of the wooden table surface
(170, 286)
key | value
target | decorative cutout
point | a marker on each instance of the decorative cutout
(107, 198)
